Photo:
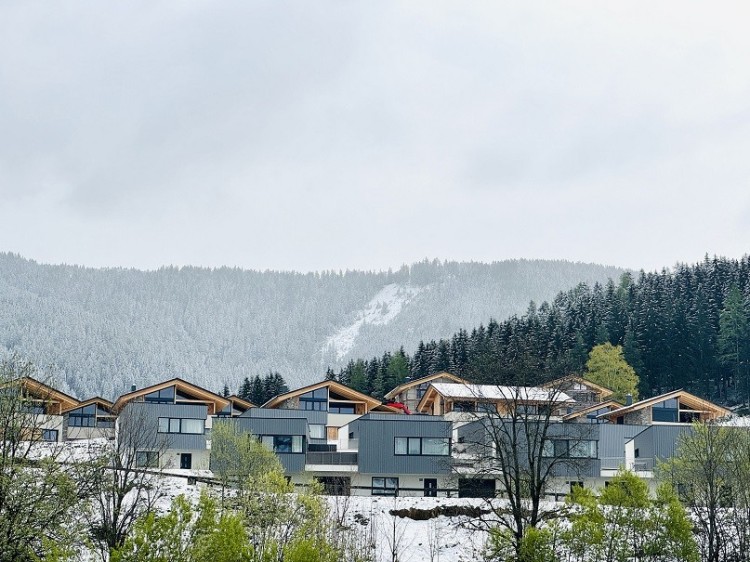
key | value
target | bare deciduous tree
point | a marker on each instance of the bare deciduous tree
(521, 443)
(124, 488)
(38, 493)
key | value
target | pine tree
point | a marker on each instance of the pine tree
(245, 391)
(734, 338)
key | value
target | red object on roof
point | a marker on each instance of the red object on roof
(400, 406)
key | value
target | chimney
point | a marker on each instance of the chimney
(628, 399)
(133, 388)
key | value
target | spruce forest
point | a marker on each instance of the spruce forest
(683, 328)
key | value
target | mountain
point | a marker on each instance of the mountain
(688, 327)
(102, 330)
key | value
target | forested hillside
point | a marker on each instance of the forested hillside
(688, 327)
(105, 329)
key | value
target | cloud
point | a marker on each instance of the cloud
(272, 134)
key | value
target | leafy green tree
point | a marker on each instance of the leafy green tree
(607, 367)
(187, 534)
(237, 456)
(711, 469)
(624, 523)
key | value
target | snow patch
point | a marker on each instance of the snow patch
(381, 309)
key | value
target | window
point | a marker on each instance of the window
(436, 446)
(182, 425)
(487, 407)
(317, 431)
(464, 406)
(83, 417)
(336, 408)
(665, 411)
(163, 396)
(433, 446)
(574, 485)
(569, 449)
(384, 486)
(582, 449)
(283, 443)
(49, 435)
(147, 459)
(316, 400)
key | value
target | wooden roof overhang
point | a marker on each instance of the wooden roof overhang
(348, 394)
(198, 395)
(416, 382)
(697, 405)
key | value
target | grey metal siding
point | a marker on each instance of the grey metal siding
(292, 462)
(377, 437)
(150, 414)
(659, 441)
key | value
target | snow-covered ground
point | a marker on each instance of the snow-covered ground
(381, 309)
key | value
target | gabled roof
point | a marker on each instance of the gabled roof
(494, 393)
(416, 382)
(98, 400)
(41, 391)
(611, 404)
(498, 392)
(240, 403)
(183, 386)
(684, 396)
(337, 387)
(557, 383)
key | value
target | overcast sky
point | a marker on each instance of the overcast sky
(326, 135)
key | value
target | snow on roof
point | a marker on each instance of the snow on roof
(496, 392)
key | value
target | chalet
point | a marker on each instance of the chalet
(90, 419)
(339, 404)
(678, 406)
(42, 407)
(583, 391)
(173, 420)
(410, 392)
(455, 398)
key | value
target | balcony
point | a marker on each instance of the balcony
(331, 458)
(636, 465)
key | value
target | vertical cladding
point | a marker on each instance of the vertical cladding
(612, 439)
(276, 425)
(150, 414)
(377, 436)
(659, 441)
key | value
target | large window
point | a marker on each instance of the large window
(570, 449)
(428, 446)
(384, 486)
(666, 411)
(464, 406)
(317, 431)
(147, 459)
(314, 400)
(182, 425)
(83, 417)
(163, 396)
(283, 443)
(339, 408)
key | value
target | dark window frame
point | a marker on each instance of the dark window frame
(179, 420)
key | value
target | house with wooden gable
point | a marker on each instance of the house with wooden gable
(410, 392)
(90, 419)
(456, 399)
(584, 392)
(676, 407)
(42, 408)
(171, 421)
